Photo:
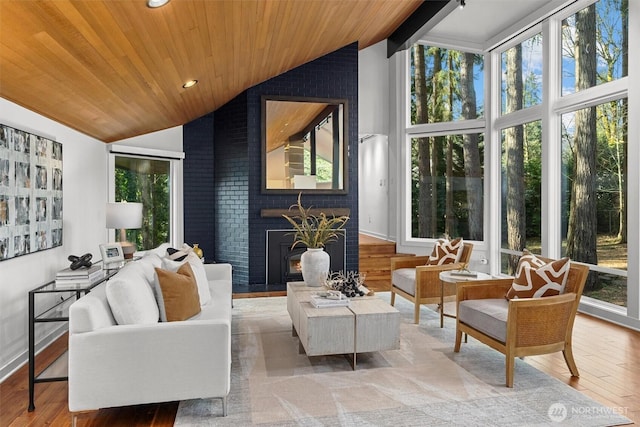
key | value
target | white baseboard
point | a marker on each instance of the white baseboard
(23, 358)
(608, 313)
(376, 235)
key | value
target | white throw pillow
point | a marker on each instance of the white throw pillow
(198, 270)
(130, 297)
(149, 263)
(161, 250)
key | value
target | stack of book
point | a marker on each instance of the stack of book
(462, 273)
(82, 276)
(320, 301)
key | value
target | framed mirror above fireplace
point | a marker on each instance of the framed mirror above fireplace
(304, 145)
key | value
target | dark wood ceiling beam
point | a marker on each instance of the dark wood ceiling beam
(425, 17)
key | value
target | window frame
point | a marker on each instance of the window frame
(409, 131)
(176, 210)
(550, 111)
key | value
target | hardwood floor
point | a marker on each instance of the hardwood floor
(606, 354)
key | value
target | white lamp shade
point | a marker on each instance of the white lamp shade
(124, 215)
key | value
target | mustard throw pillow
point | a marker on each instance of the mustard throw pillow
(179, 293)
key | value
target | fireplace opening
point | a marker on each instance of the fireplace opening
(283, 263)
(292, 267)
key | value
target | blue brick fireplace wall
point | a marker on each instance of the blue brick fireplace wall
(239, 230)
(231, 187)
(198, 179)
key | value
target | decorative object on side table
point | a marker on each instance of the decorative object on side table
(71, 278)
(314, 232)
(80, 261)
(112, 256)
(198, 250)
(351, 283)
(464, 272)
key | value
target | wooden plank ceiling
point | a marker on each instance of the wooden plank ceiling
(114, 69)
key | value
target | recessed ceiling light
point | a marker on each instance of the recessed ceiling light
(156, 3)
(189, 84)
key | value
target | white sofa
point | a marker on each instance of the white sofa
(113, 364)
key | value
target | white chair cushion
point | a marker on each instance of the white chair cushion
(486, 315)
(405, 279)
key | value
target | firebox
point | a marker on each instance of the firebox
(283, 263)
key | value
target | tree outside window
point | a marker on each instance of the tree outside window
(594, 147)
(446, 170)
(146, 181)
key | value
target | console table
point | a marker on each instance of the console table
(367, 324)
(57, 311)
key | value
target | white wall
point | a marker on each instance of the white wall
(373, 90)
(168, 139)
(373, 153)
(373, 186)
(84, 196)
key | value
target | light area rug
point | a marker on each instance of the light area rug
(424, 383)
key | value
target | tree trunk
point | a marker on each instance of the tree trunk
(472, 168)
(514, 150)
(437, 150)
(622, 230)
(425, 191)
(582, 231)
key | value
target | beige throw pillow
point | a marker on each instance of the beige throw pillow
(179, 293)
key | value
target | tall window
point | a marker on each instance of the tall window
(447, 165)
(447, 186)
(522, 75)
(446, 85)
(594, 220)
(146, 181)
(521, 201)
(604, 25)
(521, 151)
(594, 148)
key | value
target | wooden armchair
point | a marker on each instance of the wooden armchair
(420, 283)
(520, 327)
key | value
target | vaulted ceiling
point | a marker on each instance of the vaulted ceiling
(114, 69)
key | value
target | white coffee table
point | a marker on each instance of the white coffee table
(368, 324)
(451, 278)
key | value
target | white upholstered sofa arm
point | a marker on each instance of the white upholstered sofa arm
(118, 365)
(220, 271)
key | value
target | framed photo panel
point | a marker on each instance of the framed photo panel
(30, 193)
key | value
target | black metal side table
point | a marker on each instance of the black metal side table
(57, 312)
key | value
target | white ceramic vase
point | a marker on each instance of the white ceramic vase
(315, 266)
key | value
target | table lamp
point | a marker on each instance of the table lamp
(123, 216)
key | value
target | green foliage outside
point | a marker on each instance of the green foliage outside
(151, 188)
(324, 168)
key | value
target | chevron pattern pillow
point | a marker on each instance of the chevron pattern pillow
(446, 252)
(536, 278)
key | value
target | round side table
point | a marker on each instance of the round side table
(449, 278)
